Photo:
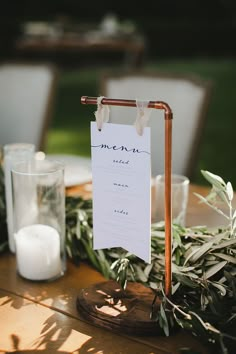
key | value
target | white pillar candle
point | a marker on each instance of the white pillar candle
(38, 252)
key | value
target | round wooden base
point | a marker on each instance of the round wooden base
(107, 305)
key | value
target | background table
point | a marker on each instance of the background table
(73, 48)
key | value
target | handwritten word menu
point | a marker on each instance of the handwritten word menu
(121, 188)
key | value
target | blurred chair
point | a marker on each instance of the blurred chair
(27, 92)
(188, 98)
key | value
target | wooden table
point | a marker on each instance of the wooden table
(40, 316)
(133, 47)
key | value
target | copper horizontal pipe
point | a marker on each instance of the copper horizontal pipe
(168, 158)
(129, 103)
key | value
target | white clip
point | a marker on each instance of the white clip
(143, 114)
(102, 113)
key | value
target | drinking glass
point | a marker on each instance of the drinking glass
(13, 153)
(179, 198)
(39, 219)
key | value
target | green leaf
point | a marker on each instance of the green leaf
(229, 191)
(214, 269)
(69, 251)
(153, 285)
(78, 229)
(141, 275)
(228, 258)
(219, 237)
(179, 269)
(148, 269)
(164, 321)
(234, 214)
(189, 254)
(184, 280)
(114, 264)
(225, 244)
(177, 237)
(220, 287)
(175, 288)
(214, 180)
(201, 251)
(222, 195)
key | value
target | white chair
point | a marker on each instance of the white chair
(27, 92)
(188, 98)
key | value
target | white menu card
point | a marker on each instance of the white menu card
(121, 171)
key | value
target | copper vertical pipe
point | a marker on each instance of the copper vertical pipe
(168, 164)
(168, 208)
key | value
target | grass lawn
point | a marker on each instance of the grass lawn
(69, 132)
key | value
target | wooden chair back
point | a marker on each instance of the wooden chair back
(27, 93)
(188, 96)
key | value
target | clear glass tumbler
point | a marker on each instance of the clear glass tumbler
(179, 193)
(13, 153)
(39, 219)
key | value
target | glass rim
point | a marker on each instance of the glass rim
(184, 180)
(55, 166)
(18, 146)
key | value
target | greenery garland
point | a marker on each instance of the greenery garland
(203, 265)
